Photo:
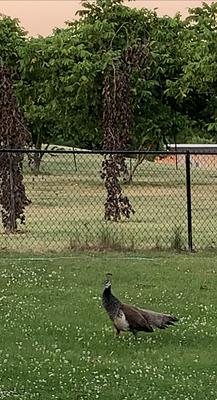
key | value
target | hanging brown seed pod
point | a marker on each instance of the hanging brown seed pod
(13, 135)
(117, 118)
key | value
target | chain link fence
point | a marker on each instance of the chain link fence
(174, 196)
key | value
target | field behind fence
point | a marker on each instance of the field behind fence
(68, 195)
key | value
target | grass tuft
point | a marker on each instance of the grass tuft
(177, 241)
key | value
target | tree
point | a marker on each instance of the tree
(195, 87)
(118, 52)
(64, 101)
(34, 91)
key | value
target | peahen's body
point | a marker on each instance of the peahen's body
(130, 318)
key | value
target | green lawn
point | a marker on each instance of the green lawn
(56, 342)
(67, 210)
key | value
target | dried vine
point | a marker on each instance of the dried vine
(117, 118)
(13, 135)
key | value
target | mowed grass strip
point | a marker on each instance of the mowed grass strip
(56, 341)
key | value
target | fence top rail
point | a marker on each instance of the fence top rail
(105, 152)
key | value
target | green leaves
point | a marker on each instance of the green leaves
(60, 86)
(12, 38)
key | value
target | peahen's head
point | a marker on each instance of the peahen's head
(107, 282)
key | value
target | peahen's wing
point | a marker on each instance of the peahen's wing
(135, 319)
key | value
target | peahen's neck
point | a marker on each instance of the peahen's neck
(109, 301)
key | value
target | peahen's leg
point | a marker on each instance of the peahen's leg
(135, 334)
(117, 332)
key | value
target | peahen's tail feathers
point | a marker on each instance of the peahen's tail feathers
(158, 320)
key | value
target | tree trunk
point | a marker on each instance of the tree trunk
(36, 158)
(36, 162)
(139, 160)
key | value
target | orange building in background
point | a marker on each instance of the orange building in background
(201, 155)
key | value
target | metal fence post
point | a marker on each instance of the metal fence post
(188, 193)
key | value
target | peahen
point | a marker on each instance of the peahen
(130, 318)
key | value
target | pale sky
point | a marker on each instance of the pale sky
(39, 17)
